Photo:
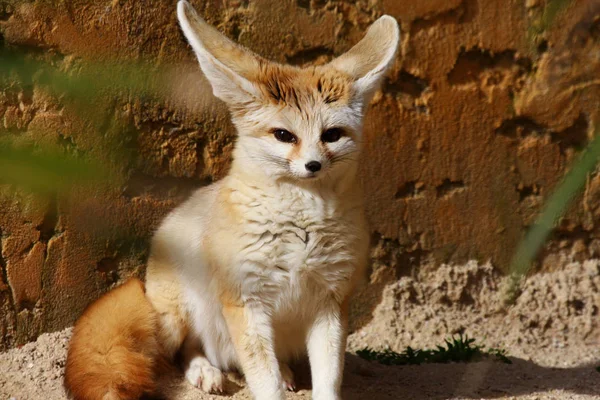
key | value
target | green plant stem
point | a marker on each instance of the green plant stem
(556, 206)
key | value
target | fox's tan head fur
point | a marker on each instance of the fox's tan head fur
(293, 123)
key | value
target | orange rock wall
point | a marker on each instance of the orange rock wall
(483, 112)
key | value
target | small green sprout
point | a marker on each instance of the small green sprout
(455, 349)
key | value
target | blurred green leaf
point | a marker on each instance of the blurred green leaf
(89, 88)
(46, 171)
(554, 208)
(551, 10)
(85, 81)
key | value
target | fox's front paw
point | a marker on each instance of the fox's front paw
(288, 378)
(203, 375)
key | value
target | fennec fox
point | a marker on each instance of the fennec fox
(256, 269)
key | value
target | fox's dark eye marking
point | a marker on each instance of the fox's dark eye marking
(284, 136)
(332, 135)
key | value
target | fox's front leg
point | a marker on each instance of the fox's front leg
(326, 347)
(251, 330)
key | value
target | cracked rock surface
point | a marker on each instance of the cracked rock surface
(478, 120)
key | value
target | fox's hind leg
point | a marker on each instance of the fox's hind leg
(164, 291)
(198, 370)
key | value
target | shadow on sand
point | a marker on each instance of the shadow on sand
(485, 379)
(478, 380)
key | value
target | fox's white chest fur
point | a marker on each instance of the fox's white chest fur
(295, 245)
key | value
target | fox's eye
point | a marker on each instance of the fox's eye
(284, 136)
(331, 135)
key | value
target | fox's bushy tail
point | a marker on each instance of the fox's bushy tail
(114, 352)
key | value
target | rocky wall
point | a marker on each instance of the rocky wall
(487, 105)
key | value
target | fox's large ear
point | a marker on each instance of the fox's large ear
(368, 61)
(227, 66)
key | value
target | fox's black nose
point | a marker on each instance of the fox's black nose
(313, 166)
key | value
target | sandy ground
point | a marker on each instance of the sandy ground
(552, 334)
